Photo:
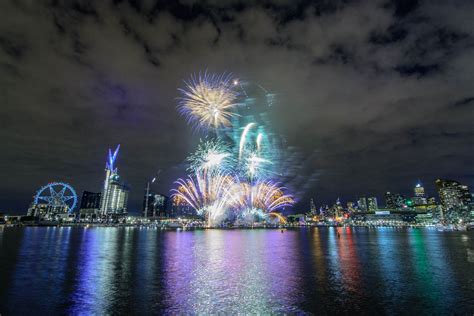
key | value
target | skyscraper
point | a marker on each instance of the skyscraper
(452, 194)
(114, 194)
(394, 200)
(157, 205)
(372, 204)
(419, 199)
(312, 207)
(362, 204)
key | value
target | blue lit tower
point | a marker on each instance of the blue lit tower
(115, 194)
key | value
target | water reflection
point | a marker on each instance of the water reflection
(325, 271)
(230, 271)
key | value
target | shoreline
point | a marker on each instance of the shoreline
(281, 227)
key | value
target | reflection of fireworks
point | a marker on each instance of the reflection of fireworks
(208, 193)
(209, 155)
(208, 100)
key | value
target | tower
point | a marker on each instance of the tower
(114, 194)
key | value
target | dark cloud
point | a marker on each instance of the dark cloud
(379, 92)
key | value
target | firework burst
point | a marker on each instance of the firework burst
(261, 197)
(208, 193)
(208, 100)
(210, 155)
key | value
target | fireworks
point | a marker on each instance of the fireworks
(262, 196)
(210, 155)
(243, 138)
(231, 170)
(208, 193)
(255, 165)
(208, 101)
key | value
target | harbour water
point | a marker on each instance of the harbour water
(105, 270)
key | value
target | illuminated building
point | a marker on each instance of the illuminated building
(114, 194)
(362, 204)
(372, 204)
(431, 201)
(312, 207)
(90, 203)
(157, 205)
(419, 199)
(179, 207)
(394, 200)
(452, 194)
(351, 207)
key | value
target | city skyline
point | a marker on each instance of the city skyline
(299, 207)
(371, 110)
(220, 157)
(418, 191)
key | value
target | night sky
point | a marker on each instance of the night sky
(372, 95)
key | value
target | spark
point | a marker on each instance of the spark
(208, 100)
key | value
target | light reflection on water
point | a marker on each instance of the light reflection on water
(310, 270)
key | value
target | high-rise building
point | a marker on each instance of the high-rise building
(179, 207)
(362, 204)
(90, 202)
(431, 201)
(372, 204)
(452, 194)
(312, 207)
(394, 200)
(115, 193)
(419, 199)
(157, 205)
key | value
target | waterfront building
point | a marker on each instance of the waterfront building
(351, 207)
(372, 204)
(157, 205)
(419, 199)
(312, 207)
(362, 204)
(90, 203)
(180, 208)
(452, 194)
(115, 193)
(431, 200)
(394, 200)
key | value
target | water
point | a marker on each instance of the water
(309, 270)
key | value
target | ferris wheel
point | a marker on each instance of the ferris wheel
(57, 195)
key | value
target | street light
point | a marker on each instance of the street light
(148, 194)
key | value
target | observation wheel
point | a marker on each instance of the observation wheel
(57, 195)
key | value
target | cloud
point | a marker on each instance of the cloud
(379, 91)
